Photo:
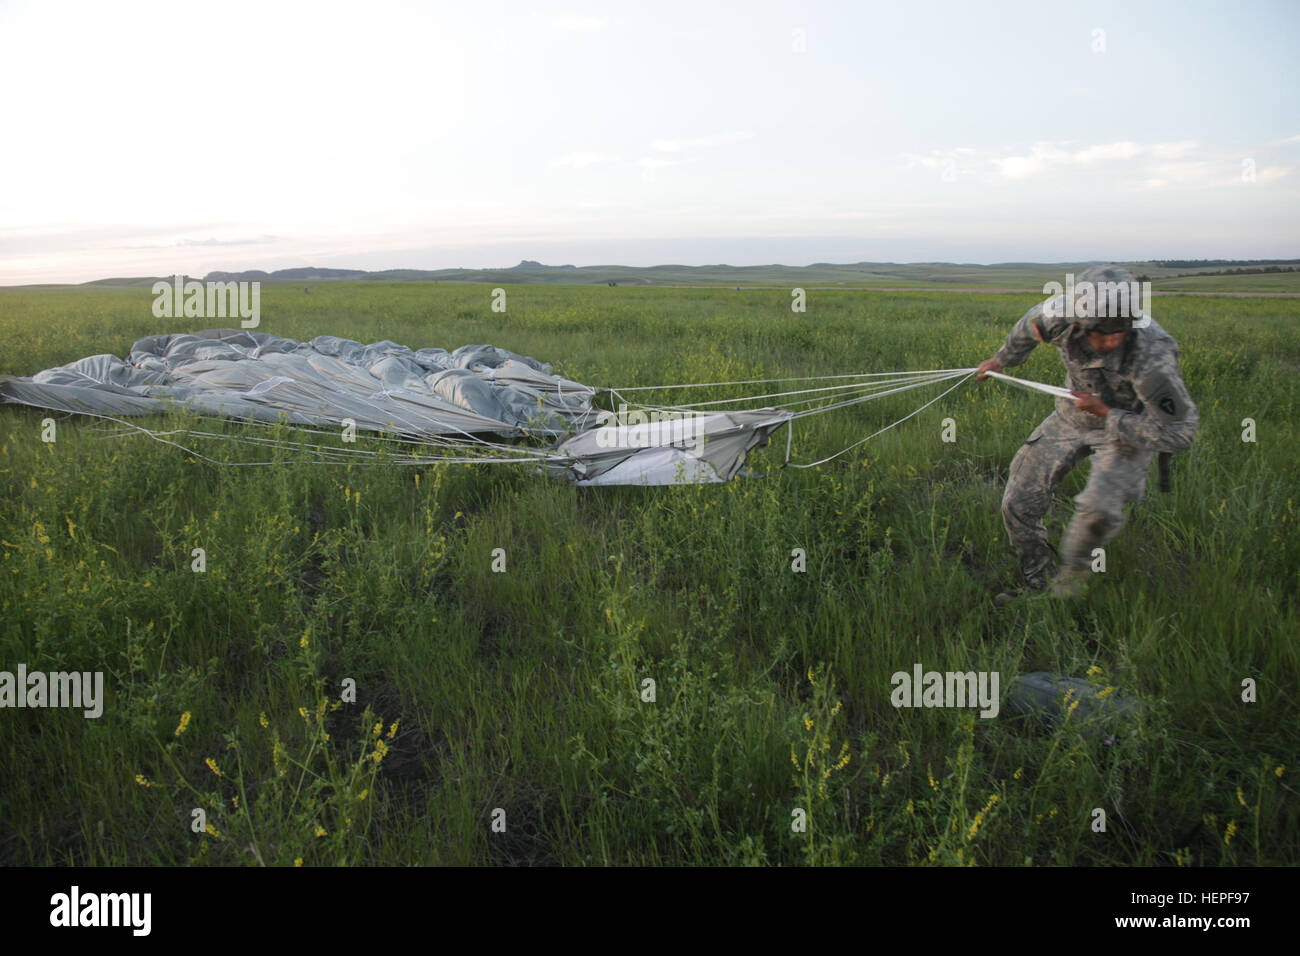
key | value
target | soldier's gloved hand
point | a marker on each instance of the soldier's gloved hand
(988, 365)
(1091, 404)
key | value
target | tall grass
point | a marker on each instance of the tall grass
(524, 691)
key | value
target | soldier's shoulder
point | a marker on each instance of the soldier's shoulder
(1154, 344)
(1156, 369)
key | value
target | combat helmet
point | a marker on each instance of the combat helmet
(1113, 306)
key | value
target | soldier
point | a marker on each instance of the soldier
(1129, 403)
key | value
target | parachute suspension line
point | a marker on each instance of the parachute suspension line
(866, 386)
(325, 455)
(341, 454)
(1034, 386)
(857, 393)
(930, 376)
(963, 379)
(886, 384)
(963, 374)
(769, 381)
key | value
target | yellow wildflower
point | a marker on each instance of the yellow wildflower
(1230, 832)
(261, 719)
(320, 830)
(142, 780)
(845, 757)
(211, 830)
(392, 731)
(185, 722)
(1241, 797)
(298, 862)
(212, 765)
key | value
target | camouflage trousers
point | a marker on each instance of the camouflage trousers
(1117, 476)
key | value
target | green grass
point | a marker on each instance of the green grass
(521, 691)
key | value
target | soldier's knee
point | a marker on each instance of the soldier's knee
(1019, 509)
(1103, 523)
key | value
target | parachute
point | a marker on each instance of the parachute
(476, 405)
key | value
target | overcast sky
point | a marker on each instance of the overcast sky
(148, 138)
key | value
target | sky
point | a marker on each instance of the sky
(143, 138)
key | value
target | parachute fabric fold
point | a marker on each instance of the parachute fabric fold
(233, 373)
(695, 449)
(450, 399)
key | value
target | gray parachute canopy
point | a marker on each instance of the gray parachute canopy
(428, 394)
(382, 387)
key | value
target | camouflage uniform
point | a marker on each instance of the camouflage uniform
(1150, 411)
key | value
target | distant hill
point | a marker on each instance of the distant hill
(1026, 276)
(307, 273)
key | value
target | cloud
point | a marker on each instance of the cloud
(702, 142)
(1291, 139)
(1195, 173)
(583, 158)
(1218, 172)
(1094, 154)
(1172, 150)
(1271, 174)
(950, 162)
(1157, 164)
(654, 162)
(1045, 156)
(1042, 156)
(578, 22)
(260, 240)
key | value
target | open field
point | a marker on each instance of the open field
(521, 691)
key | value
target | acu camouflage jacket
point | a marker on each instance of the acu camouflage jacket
(1140, 381)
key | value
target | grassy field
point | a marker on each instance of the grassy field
(516, 697)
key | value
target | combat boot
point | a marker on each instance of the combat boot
(1070, 583)
(1036, 572)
